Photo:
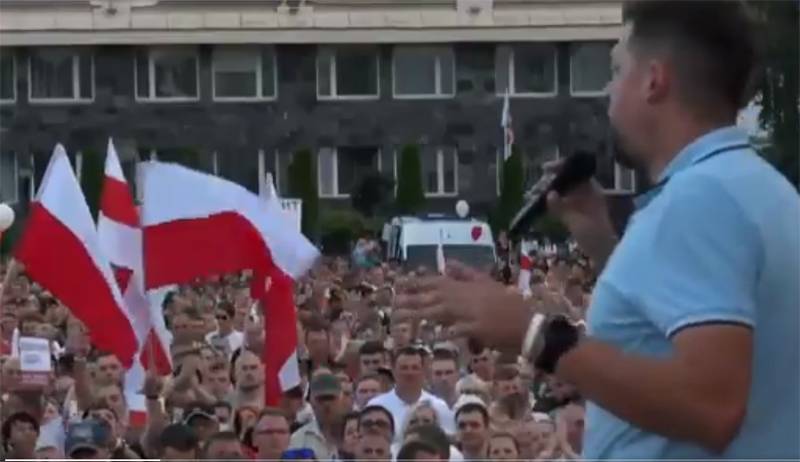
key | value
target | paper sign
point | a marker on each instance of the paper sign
(35, 361)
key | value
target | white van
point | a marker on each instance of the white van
(412, 241)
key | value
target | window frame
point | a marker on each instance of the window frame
(440, 172)
(334, 172)
(438, 74)
(13, 99)
(500, 92)
(337, 194)
(260, 97)
(76, 84)
(439, 193)
(583, 93)
(16, 176)
(334, 96)
(151, 71)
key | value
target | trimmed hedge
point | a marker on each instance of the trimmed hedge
(303, 185)
(410, 193)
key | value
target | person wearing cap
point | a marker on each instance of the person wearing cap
(322, 433)
(202, 420)
(88, 439)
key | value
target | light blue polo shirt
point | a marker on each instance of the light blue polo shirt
(717, 242)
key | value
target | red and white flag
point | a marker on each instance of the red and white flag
(525, 267)
(61, 251)
(197, 225)
(506, 124)
(120, 236)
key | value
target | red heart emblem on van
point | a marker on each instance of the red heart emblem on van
(477, 231)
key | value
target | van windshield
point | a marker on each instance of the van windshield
(477, 256)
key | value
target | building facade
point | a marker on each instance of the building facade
(235, 87)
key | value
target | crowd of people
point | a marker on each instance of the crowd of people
(377, 382)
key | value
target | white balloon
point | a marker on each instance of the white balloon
(6, 217)
(462, 208)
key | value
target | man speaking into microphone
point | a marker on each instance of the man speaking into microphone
(692, 349)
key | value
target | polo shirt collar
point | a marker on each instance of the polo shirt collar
(705, 146)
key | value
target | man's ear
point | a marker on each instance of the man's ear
(659, 80)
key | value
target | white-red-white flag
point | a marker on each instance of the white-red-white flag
(118, 228)
(506, 124)
(525, 267)
(61, 251)
(197, 225)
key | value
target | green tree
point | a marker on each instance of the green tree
(512, 191)
(778, 86)
(410, 193)
(92, 174)
(303, 185)
(371, 193)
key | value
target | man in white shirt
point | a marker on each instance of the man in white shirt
(409, 376)
(225, 338)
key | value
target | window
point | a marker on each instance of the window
(423, 72)
(590, 68)
(341, 170)
(60, 75)
(526, 70)
(167, 74)
(9, 177)
(347, 72)
(439, 172)
(8, 81)
(624, 179)
(244, 73)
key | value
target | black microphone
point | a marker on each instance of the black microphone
(576, 169)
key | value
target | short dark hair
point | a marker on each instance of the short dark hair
(18, 417)
(376, 408)
(227, 307)
(433, 435)
(316, 324)
(443, 354)
(470, 408)
(714, 42)
(364, 377)
(410, 350)
(371, 347)
(410, 450)
(178, 436)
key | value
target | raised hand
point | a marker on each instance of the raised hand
(471, 302)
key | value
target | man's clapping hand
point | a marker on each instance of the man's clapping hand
(471, 302)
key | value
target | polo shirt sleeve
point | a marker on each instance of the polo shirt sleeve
(703, 263)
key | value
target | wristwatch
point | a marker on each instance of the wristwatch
(548, 339)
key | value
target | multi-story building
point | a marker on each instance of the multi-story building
(235, 87)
